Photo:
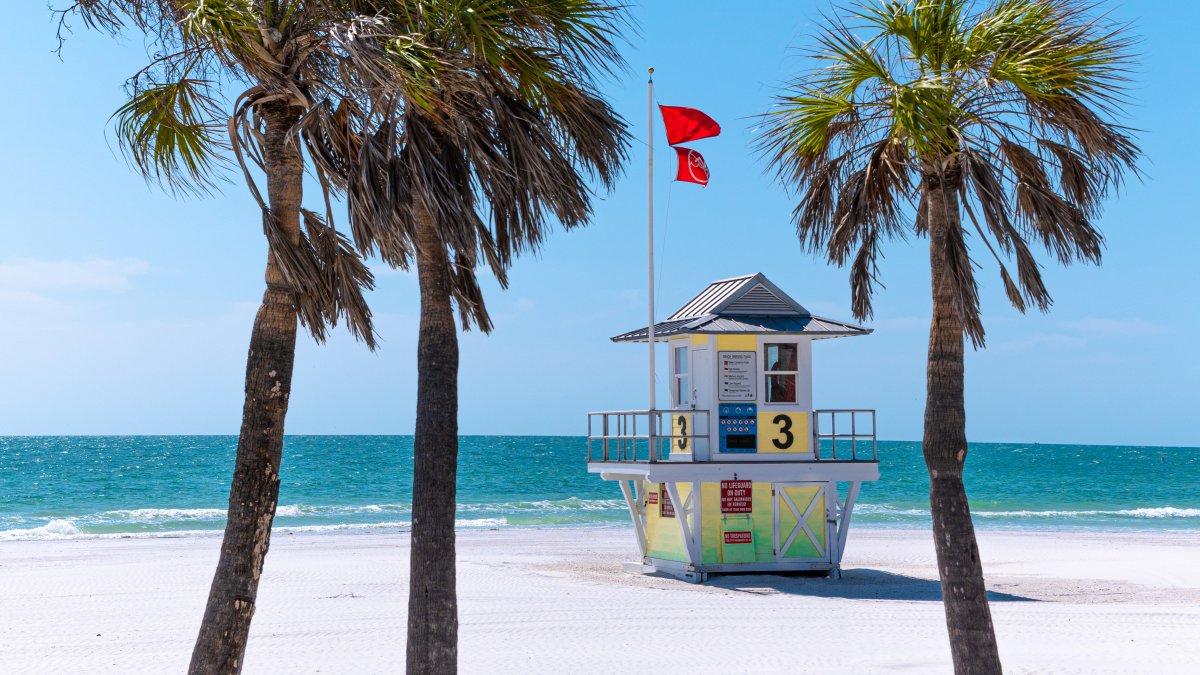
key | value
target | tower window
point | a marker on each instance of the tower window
(779, 362)
(681, 392)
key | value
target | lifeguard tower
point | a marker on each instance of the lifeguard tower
(741, 474)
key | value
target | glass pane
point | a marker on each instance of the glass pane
(781, 357)
(683, 395)
(781, 389)
(681, 361)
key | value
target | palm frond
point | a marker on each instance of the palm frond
(1011, 108)
(495, 129)
(170, 132)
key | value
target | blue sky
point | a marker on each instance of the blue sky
(124, 310)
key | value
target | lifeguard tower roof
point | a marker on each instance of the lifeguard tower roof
(745, 304)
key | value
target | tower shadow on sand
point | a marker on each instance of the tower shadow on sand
(855, 584)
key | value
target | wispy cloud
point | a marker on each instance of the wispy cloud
(1124, 327)
(828, 309)
(35, 275)
(901, 324)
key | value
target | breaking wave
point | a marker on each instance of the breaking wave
(166, 522)
(62, 529)
(884, 512)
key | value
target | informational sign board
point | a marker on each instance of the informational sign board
(652, 498)
(737, 496)
(665, 508)
(739, 376)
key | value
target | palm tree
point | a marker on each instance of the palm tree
(297, 73)
(1007, 113)
(499, 143)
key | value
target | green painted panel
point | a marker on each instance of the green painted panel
(801, 497)
(764, 523)
(816, 521)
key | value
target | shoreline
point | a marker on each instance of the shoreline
(47, 533)
(556, 599)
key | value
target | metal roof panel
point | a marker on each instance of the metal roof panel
(708, 299)
(814, 326)
(745, 304)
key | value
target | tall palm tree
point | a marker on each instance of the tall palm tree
(497, 143)
(296, 72)
(1006, 112)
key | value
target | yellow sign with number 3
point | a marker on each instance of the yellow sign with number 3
(783, 432)
(681, 425)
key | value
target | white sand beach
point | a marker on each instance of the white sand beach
(558, 601)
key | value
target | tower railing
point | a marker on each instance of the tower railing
(645, 435)
(859, 436)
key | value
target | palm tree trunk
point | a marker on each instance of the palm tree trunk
(432, 595)
(968, 617)
(254, 494)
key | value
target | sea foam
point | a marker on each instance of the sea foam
(55, 529)
(885, 511)
(157, 515)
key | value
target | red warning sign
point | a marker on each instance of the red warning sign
(737, 496)
(652, 498)
(740, 537)
(665, 508)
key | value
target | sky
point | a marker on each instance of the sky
(124, 310)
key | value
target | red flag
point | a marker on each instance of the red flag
(692, 168)
(687, 124)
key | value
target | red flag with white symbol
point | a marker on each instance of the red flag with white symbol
(692, 167)
(687, 124)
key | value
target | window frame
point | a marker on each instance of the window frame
(676, 401)
(795, 343)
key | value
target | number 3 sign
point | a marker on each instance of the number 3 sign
(681, 426)
(783, 432)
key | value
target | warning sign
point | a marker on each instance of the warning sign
(652, 498)
(737, 496)
(665, 508)
(739, 537)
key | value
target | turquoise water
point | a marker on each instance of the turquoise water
(88, 486)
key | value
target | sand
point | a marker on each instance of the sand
(558, 601)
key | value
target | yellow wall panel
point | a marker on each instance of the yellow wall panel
(737, 343)
(663, 538)
(710, 522)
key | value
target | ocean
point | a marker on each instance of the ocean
(145, 486)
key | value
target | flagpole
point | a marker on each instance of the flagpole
(650, 251)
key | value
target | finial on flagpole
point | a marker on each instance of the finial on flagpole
(651, 71)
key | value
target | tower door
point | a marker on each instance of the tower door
(702, 385)
(801, 525)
